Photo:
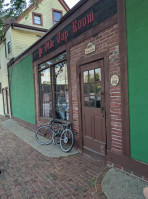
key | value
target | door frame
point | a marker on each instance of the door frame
(7, 99)
(3, 96)
(86, 60)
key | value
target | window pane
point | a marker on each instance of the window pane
(98, 88)
(98, 74)
(57, 16)
(98, 101)
(53, 61)
(60, 87)
(85, 76)
(86, 89)
(92, 89)
(92, 101)
(45, 93)
(8, 47)
(86, 101)
(37, 19)
(91, 76)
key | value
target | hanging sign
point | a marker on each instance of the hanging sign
(98, 13)
(90, 48)
(114, 80)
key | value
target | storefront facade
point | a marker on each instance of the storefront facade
(79, 73)
(80, 68)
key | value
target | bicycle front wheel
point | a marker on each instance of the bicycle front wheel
(66, 140)
(44, 135)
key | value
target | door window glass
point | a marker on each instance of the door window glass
(85, 76)
(92, 88)
(91, 76)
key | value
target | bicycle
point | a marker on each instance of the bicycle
(46, 134)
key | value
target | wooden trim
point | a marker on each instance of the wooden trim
(124, 77)
(9, 83)
(101, 56)
(3, 39)
(107, 100)
(95, 155)
(7, 101)
(69, 86)
(64, 4)
(41, 17)
(29, 27)
(3, 100)
(60, 11)
(138, 168)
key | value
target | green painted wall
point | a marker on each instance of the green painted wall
(137, 43)
(22, 90)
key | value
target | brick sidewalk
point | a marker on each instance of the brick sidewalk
(26, 173)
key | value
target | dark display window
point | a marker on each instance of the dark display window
(54, 98)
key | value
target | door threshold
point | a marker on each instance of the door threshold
(94, 154)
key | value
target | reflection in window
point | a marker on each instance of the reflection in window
(53, 61)
(54, 90)
(98, 74)
(45, 93)
(86, 89)
(91, 76)
(85, 74)
(60, 91)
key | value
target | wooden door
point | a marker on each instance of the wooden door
(93, 107)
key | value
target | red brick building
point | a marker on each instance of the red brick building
(82, 57)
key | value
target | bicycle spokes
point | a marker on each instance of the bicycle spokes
(66, 140)
(44, 135)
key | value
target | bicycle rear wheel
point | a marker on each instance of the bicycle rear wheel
(44, 135)
(66, 140)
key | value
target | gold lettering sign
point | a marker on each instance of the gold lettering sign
(90, 48)
(114, 80)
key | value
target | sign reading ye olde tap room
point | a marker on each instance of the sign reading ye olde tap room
(95, 15)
